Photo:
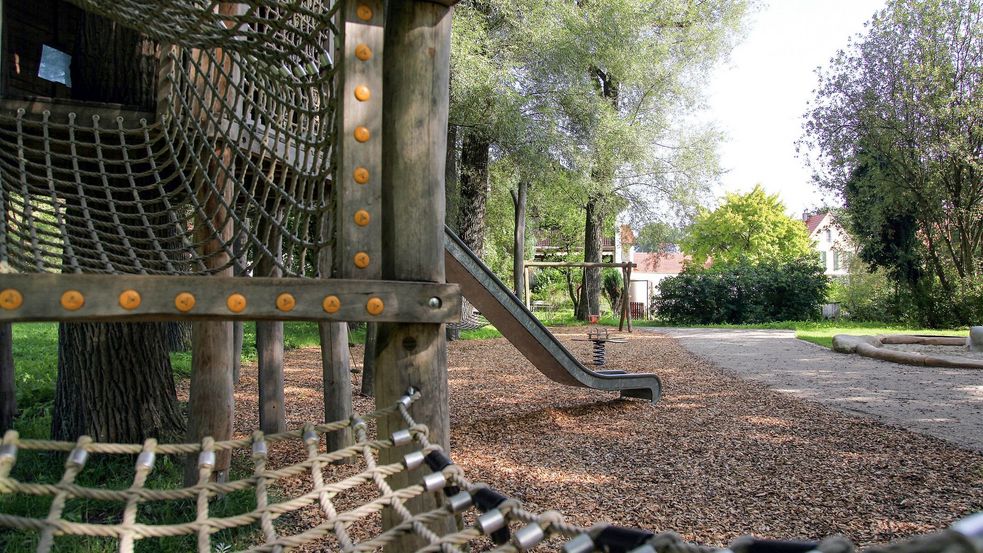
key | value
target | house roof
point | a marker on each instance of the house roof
(670, 263)
(813, 222)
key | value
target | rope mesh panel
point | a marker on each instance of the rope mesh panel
(485, 519)
(238, 155)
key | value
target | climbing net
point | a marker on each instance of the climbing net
(234, 156)
(463, 514)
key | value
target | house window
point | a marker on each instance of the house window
(836, 261)
(822, 259)
(829, 235)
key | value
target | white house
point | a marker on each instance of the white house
(831, 242)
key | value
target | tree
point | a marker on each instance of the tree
(747, 228)
(896, 129)
(115, 381)
(590, 89)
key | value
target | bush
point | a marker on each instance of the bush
(744, 294)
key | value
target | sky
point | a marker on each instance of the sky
(757, 97)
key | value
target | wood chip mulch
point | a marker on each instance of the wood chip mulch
(716, 458)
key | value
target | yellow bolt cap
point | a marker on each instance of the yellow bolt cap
(236, 303)
(364, 12)
(374, 306)
(129, 299)
(362, 218)
(362, 93)
(362, 134)
(184, 302)
(286, 302)
(72, 300)
(331, 304)
(11, 299)
(362, 260)
(361, 175)
(363, 52)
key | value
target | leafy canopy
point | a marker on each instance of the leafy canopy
(748, 228)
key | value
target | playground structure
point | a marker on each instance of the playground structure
(116, 214)
(624, 313)
(873, 347)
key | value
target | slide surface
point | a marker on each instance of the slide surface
(503, 309)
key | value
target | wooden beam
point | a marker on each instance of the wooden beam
(101, 298)
(358, 231)
(587, 265)
(269, 340)
(416, 75)
(337, 378)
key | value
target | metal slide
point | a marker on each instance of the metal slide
(504, 310)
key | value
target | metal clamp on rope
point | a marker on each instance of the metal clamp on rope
(487, 500)
(529, 536)
(358, 423)
(206, 459)
(581, 544)
(616, 538)
(259, 449)
(460, 502)
(146, 460)
(971, 528)
(311, 437)
(437, 462)
(749, 544)
(413, 460)
(401, 438)
(491, 522)
(434, 481)
(77, 457)
(8, 451)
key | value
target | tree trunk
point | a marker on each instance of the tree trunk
(451, 175)
(114, 379)
(474, 190)
(115, 383)
(590, 292)
(8, 386)
(519, 239)
(178, 336)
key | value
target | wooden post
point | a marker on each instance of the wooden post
(8, 387)
(368, 360)
(414, 138)
(269, 339)
(211, 400)
(337, 378)
(527, 289)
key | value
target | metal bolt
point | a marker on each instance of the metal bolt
(259, 449)
(435, 303)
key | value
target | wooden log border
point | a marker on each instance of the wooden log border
(40, 298)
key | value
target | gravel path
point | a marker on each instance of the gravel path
(946, 403)
(718, 457)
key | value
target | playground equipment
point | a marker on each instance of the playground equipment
(511, 317)
(600, 337)
(271, 128)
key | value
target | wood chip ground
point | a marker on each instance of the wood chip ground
(716, 458)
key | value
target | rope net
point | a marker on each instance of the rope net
(235, 156)
(468, 515)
